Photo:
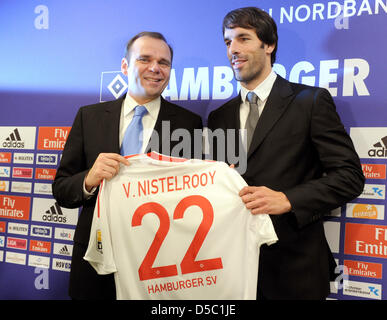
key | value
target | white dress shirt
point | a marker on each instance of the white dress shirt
(262, 91)
(148, 120)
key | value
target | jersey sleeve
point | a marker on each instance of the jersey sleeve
(261, 223)
(99, 251)
(265, 230)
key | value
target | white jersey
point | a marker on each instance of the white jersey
(173, 228)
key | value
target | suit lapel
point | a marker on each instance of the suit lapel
(280, 97)
(167, 115)
(230, 123)
(234, 117)
(111, 124)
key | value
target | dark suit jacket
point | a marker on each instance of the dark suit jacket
(301, 148)
(95, 130)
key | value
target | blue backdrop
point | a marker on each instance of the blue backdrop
(59, 55)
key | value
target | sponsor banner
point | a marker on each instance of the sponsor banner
(4, 185)
(363, 269)
(64, 234)
(332, 233)
(373, 191)
(41, 231)
(43, 188)
(17, 137)
(63, 249)
(374, 171)
(5, 172)
(46, 159)
(23, 158)
(370, 142)
(40, 246)
(15, 257)
(25, 173)
(1, 256)
(2, 241)
(365, 240)
(2, 226)
(52, 138)
(61, 264)
(48, 210)
(5, 157)
(45, 174)
(14, 207)
(16, 243)
(365, 211)
(362, 289)
(21, 187)
(18, 228)
(38, 261)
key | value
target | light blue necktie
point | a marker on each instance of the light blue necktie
(132, 142)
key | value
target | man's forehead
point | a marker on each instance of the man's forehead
(151, 47)
(237, 32)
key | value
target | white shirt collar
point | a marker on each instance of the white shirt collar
(263, 89)
(152, 107)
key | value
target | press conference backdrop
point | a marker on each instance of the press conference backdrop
(59, 55)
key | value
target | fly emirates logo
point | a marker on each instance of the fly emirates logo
(13, 207)
(366, 240)
(52, 138)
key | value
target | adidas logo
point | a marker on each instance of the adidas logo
(54, 214)
(14, 140)
(64, 251)
(381, 150)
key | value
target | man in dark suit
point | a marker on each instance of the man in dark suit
(301, 163)
(92, 151)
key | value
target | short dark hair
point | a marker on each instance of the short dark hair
(151, 34)
(257, 19)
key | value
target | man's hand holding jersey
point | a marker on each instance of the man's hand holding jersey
(264, 200)
(106, 166)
